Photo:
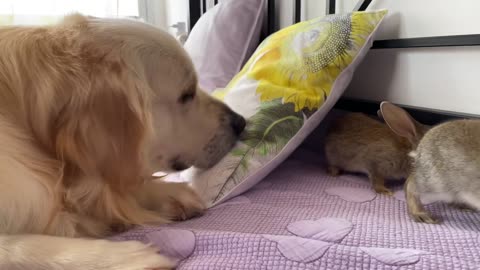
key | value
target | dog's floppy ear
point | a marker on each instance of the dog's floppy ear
(101, 131)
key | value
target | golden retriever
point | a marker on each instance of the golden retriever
(89, 110)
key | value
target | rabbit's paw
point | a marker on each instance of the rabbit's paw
(463, 207)
(383, 190)
(425, 218)
(333, 171)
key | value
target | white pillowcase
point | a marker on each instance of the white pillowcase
(284, 91)
(223, 39)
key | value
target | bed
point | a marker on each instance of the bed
(299, 217)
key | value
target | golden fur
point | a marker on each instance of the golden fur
(89, 110)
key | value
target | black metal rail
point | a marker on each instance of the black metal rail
(428, 117)
(440, 41)
(195, 11)
(198, 7)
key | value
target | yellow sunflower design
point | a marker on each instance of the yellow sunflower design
(300, 63)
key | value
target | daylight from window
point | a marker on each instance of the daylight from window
(32, 12)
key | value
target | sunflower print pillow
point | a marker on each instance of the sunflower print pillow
(283, 91)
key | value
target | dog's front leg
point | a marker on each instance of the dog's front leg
(173, 201)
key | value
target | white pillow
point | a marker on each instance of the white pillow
(223, 39)
(284, 91)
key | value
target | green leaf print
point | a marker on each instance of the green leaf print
(267, 132)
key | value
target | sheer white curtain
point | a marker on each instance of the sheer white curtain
(34, 12)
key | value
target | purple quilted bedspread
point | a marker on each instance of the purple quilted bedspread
(300, 218)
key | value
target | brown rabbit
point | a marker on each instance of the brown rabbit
(359, 143)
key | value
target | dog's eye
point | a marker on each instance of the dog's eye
(186, 98)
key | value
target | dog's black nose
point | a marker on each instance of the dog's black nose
(238, 123)
(178, 165)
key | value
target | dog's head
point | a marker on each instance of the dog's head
(138, 108)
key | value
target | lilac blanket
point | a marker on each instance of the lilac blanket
(300, 218)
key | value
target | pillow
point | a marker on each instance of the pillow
(223, 39)
(285, 90)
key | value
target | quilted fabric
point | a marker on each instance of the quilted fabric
(290, 221)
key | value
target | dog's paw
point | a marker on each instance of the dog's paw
(184, 202)
(174, 201)
(132, 255)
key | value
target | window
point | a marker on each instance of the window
(34, 12)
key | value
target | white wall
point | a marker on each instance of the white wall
(414, 18)
(444, 79)
(310, 9)
(164, 13)
(436, 78)
(153, 12)
(177, 11)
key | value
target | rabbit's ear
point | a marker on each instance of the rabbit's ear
(400, 122)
